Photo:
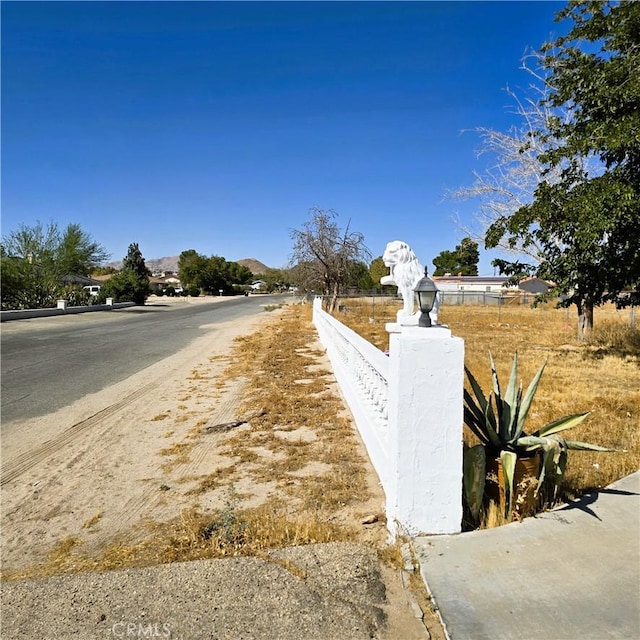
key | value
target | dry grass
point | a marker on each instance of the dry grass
(301, 421)
(92, 521)
(178, 452)
(601, 376)
(298, 442)
(194, 535)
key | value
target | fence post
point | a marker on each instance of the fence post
(425, 406)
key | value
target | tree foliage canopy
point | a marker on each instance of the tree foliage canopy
(378, 269)
(36, 259)
(585, 222)
(211, 274)
(462, 260)
(131, 283)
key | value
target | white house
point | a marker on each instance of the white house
(489, 284)
(475, 284)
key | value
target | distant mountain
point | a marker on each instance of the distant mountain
(170, 264)
(255, 266)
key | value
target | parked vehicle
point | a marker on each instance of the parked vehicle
(93, 290)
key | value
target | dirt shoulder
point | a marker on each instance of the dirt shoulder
(238, 444)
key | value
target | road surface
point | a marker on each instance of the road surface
(48, 363)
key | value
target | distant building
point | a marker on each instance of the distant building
(534, 285)
(491, 284)
(476, 284)
(488, 290)
(74, 278)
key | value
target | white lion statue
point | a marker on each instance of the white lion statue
(405, 271)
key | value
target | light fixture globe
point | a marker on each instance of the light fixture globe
(426, 292)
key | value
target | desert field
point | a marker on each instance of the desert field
(601, 375)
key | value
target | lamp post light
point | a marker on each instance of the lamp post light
(426, 292)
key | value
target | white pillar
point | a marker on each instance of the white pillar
(425, 430)
(62, 304)
(109, 302)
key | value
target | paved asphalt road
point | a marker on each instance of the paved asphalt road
(48, 363)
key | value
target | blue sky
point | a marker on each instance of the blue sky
(216, 126)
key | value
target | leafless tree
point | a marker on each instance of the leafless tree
(510, 182)
(322, 254)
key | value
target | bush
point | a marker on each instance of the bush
(193, 291)
(124, 287)
(75, 295)
(170, 291)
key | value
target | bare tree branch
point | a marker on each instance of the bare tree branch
(518, 169)
(322, 253)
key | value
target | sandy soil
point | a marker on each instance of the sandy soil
(95, 468)
(105, 465)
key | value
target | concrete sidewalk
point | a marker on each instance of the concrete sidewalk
(568, 574)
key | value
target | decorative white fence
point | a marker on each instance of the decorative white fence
(362, 371)
(407, 407)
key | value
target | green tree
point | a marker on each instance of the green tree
(359, 276)
(463, 260)
(103, 271)
(78, 253)
(191, 265)
(35, 259)
(131, 283)
(586, 221)
(274, 279)
(238, 273)
(378, 269)
(211, 274)
(215, 276)
(323, 253)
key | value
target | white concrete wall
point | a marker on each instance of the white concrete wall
(408, 407)
(425, 429)
(362, 373)
(22, 314)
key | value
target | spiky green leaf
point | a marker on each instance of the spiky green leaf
(508, 459)
(494, 377)
(477, 425)
(561, 424)
(551, 455)
(526, 401)
(474, 468)
(492, 427)
(530, 443)
(585, 446)
(511, 395)
(477, 390)
(497, 394)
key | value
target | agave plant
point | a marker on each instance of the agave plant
(498, 421)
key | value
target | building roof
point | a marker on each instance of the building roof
(470, 279)
(74, 278)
